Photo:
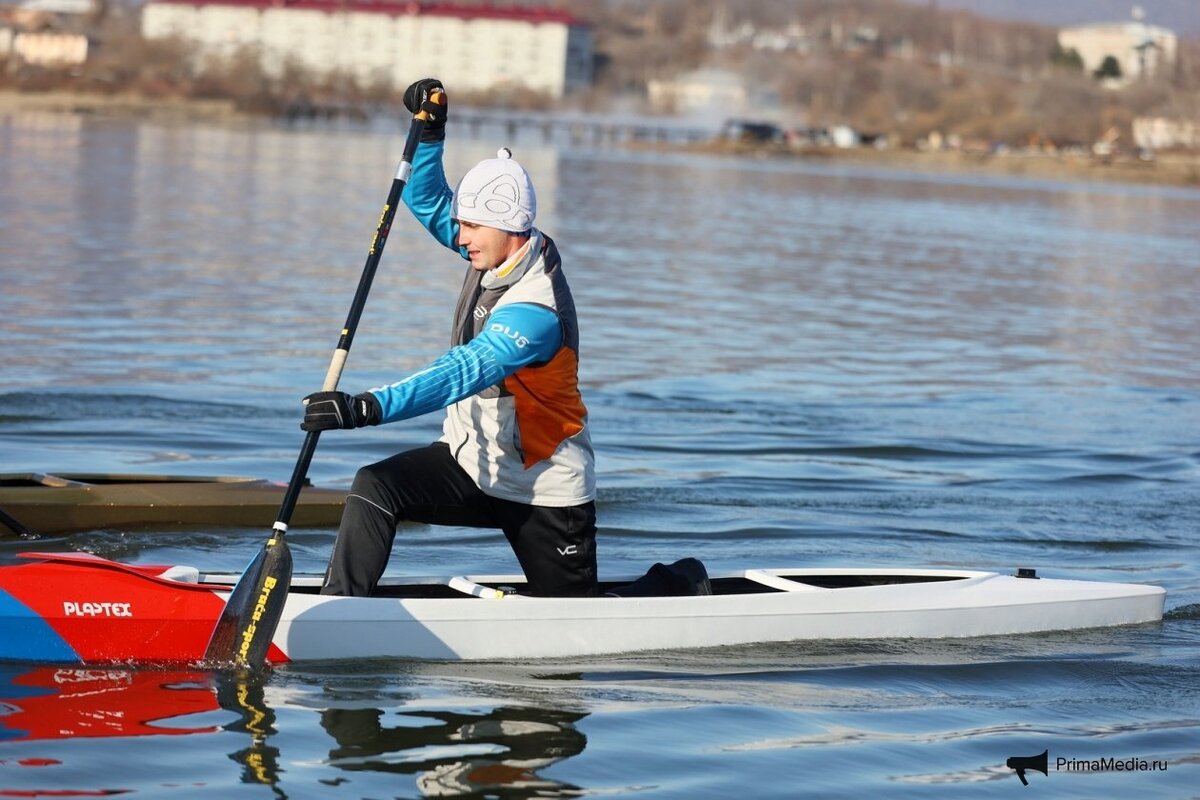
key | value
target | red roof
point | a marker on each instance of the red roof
(397, 8)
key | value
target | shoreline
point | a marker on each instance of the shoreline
(121, 105)
(1178, 170)
(1170, 169)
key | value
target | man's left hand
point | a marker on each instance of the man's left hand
(418, 97)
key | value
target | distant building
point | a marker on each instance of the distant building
(34, 15)
(704, 92)
(474, 48)
(58, 6)
(50, 48)
(1156, 133)
(1142, 50)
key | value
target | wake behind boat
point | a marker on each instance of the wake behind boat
(69, 502)
(79, 608)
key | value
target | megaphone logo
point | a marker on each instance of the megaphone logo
(1022, 763)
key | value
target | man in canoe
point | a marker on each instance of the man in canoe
(515, 453)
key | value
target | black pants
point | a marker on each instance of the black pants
(556, 547)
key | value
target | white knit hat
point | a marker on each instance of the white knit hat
(496, 193)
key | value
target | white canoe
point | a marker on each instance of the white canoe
(469, 618)
(775, 605)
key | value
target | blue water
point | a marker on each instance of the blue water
(786, 364)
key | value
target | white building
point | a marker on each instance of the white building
(705, 92)
(390, 41)
(1157, 133)
(36, 14)
(1142, 50)
(50, 48)
(58, 6)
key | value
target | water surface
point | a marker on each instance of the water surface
(786, 364)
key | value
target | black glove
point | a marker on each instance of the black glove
(416, 98)
(325, 411)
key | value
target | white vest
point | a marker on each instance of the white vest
(526, 438)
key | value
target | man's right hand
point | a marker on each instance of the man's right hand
(326, 411)
(416, 98)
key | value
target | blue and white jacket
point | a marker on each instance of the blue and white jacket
(515, 418)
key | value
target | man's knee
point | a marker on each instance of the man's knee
(366, 479)
(372, 488)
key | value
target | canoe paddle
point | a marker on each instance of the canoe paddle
(14, 525)
(244, 630)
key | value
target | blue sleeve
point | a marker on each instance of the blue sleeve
(429, 197)
(516, 336)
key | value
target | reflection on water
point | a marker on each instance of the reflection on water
(42, 707)
(63, 702)
(497, 752)
(259, 759)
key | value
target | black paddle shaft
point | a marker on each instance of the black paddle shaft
(14, 525)
(242, 634)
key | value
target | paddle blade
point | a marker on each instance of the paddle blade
(243, 633)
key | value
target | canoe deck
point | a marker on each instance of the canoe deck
(71, 502)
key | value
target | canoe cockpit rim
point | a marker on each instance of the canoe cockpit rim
(748, 581)
(499, 586)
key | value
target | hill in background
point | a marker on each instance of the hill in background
(1181, 16)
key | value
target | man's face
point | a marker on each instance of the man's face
(487, 248)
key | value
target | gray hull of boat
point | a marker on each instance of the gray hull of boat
(71, 502)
